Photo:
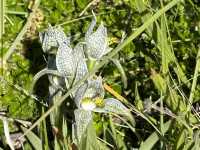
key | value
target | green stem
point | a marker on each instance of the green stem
(2, 17)
(105, 60)
(16, 12)
(121, 70)
(194, 82)
(42, 73)
(91, 64)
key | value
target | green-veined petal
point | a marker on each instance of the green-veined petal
(112, 105)
(96, 43)
(95, 88)
(91, 89)
(82, 119)
(79, 95)
(81, 66)
(65, 61)
(52, 37)
(91, 28)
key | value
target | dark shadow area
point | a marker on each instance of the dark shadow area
(33, 52)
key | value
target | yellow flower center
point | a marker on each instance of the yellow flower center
(99, 102)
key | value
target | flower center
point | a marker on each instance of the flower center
(99, 102)
(88, 104)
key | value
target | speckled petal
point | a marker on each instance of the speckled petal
(61, 37)
(91, 28)
(79, 95)
(97, 43)
(90, 89)
(81, 66)
(112, 105)
(53, 37)
(95, 88)
(82, 119)
(65, 61)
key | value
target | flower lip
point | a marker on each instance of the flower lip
(91, 89)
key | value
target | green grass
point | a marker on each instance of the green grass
(154, 65)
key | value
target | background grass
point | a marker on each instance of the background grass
(157, 72)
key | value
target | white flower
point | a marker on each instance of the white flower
(90, 98)
(52, 37)
(71, 62)
(64, 61)
(88, 104)
(96, 42)
(82, 118)
(90, 89)
(80, 63)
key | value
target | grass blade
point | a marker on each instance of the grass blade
(194, 82)
(153, 138)
(34, 140)
(2, 17)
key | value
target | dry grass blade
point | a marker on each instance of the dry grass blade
(6, 132)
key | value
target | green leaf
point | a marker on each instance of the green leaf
(166, 49)
(56, 144)
(154, 138)
(138, 102)
(33, 139)
(139, 4)
(181, 139)
(89, 139)
(82, 3)
(121, 70)
(141, 7)
(158, 81)
(173, 100)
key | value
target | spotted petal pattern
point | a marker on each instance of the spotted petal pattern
(80, 94)
(64, 61)
(112, 105)
(53, 37)
(91, 28)
(91, 89)
(80, 63)
(96, 43)
(82, 119)
(95, 88)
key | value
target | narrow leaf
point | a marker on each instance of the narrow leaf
(33, 139)
(153, 138)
